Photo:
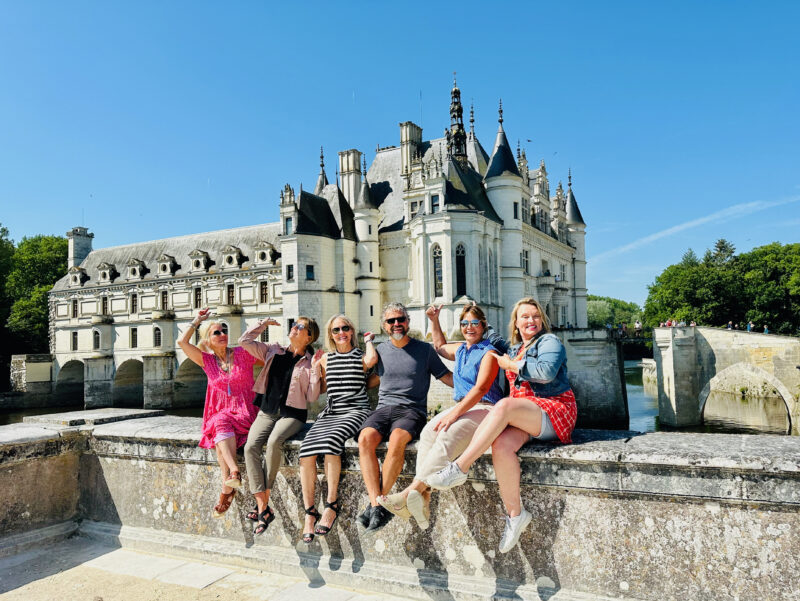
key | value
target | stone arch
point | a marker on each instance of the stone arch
(69, 383)
(746, 372)
(129, 384)
(190, 385)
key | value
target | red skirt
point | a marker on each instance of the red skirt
(561, 409)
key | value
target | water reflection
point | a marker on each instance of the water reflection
(733, 413)
(642, 403)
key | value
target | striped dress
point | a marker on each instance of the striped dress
(347, 406)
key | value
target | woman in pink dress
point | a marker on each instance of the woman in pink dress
(229, 410)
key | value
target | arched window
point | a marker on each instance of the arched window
(95, 340)
(482, 273)
(461, 270)
(438, 287)
(156, 336)
(492, 268)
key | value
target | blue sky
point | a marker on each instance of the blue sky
(145, 120)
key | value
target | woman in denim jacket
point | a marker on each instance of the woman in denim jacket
(541, 405)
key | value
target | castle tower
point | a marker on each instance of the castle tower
(456, 135)
(79, 245)
(368, 280)
(504, 189)
(350, 172)
(576, 229)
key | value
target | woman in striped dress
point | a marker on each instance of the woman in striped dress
(344, 370)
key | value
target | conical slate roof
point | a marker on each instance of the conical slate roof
(314, 216)
(502, 161)
(573, 212)
(464, 189)
(364, 198)
(476, 154)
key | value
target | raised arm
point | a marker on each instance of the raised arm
(371, 356)
(486, 376)
(194, 353)
(315, 380)
(448, 351)
(249, 343)
(496, 340)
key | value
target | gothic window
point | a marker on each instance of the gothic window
(156, 337)
(461, 270)
(134, 338)
(95, 339)
(289, 273)
(516, 210)
(435, 203)
(526, 262)
(414, 207)
(287, 226)
(563, 272)
(492, 268)
(526, 209)
(231, 293)
(263, 290)
(198, 298)
(104, 306)
(74, 308)
(482, 272)
(74, 344)
(438, 287)
(134, 303)
(164, 300)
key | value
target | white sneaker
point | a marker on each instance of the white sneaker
(418, 509)
(447, 477)
(514, 527)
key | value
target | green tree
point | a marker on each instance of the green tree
(6, 254)
(36, 265)
(598, 313)
(690, 259)
(604, 309)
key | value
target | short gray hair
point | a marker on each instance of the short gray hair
(395, 306)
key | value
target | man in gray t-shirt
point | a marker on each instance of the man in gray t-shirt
(405, 367)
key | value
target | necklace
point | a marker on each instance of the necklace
(225, 366)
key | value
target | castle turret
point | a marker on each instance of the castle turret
(79, 245)
(368, 280)
(576, 229)
(456, 135)
(350, 172)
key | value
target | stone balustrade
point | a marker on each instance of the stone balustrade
(616, 514)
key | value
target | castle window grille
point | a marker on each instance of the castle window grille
(104, 306)
(438, 286)
(526, 210)
(414, 208)
(164, 300)
(157, 337)
(482, 273)
(287, 226)
(231, 294)
(526, 262)
(95, 340)
(563, 272)
(198, 298)
(74, 308)
(74, 344)
(263, 292)
(134, 338)
(265, 335)
(461, 270)
(435, 203)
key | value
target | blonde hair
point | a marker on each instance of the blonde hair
(313, 329)
(330, 343)
(513, 333)
(205, 335)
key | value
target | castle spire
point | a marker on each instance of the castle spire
(472, 118)
(569, 178)
(457, 136)
(500, 113)
(322, 180)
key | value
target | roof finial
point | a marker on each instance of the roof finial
(321, 158)
(500, 112)
(569, 178)
(455, 85)
(364, 164)
(518, 155)
(472, 117)
(337, 177)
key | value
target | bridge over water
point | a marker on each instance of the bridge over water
(693, 361)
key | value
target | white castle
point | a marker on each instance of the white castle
(436, 221)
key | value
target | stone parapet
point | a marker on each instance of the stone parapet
(616, 514)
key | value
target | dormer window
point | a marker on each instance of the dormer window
(200, 261)
(266, 253)
(166, 266)
(77, 276)
(136, 269)
(232, 257)
(107, 272)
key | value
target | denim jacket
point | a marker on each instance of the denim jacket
(544, 365)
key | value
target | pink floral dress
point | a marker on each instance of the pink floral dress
(229, 399)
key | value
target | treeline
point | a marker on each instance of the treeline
(28, 271)
(761, 286)
(604, 310)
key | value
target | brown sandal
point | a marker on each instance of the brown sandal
(224, 503)
(234, 480)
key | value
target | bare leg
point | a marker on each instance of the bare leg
(506, 467)
(333, 470)
(308, 481)
(368, 441)
(223, 466)
(518, 412)
(262, 499)
(227, 449)
(395, 457)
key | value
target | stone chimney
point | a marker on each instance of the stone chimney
(80, 245)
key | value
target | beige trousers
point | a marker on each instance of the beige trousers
(436, 449)
(273, 430)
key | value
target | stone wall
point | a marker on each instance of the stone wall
(616, 514)
(31, 382)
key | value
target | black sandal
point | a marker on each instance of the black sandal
(264, 520)
(252, 515)
(323, 530)
(309, 536)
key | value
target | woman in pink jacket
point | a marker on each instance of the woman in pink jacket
(288, 383)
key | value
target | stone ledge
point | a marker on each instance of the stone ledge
(91, 417)
(19, 543)
(22, 442)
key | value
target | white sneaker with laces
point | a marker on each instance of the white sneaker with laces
(447, 477)
(514, 527)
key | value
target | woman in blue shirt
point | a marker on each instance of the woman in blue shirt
(447, 435)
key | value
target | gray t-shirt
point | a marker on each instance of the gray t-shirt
(406, 373)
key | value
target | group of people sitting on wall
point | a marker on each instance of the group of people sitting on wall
(240, 410)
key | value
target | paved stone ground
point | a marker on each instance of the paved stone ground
(80, 569)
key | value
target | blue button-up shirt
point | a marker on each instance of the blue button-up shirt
(465, 374)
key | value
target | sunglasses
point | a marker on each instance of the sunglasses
(394, 320)
(299, 327)
(217, 333)
(470, 322)
(342, 329)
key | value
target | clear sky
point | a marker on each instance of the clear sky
(143, 120)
